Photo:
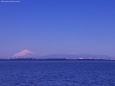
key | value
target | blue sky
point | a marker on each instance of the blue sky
(58, 26)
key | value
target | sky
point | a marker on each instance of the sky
(57, 27)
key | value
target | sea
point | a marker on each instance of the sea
(57, 73)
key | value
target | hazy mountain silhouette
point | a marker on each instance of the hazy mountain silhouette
(69, 56)
(73, 56)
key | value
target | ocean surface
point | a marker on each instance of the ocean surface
(57, 73)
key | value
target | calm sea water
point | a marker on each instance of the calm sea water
(57, 73)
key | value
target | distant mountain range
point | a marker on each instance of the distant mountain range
(68, 56)
(80, 56)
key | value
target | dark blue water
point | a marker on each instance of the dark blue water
(57, 73)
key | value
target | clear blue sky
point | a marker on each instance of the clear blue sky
(58, 26)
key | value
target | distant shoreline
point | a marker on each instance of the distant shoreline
(60, 59)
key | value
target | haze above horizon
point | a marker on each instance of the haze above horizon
(57, 26)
